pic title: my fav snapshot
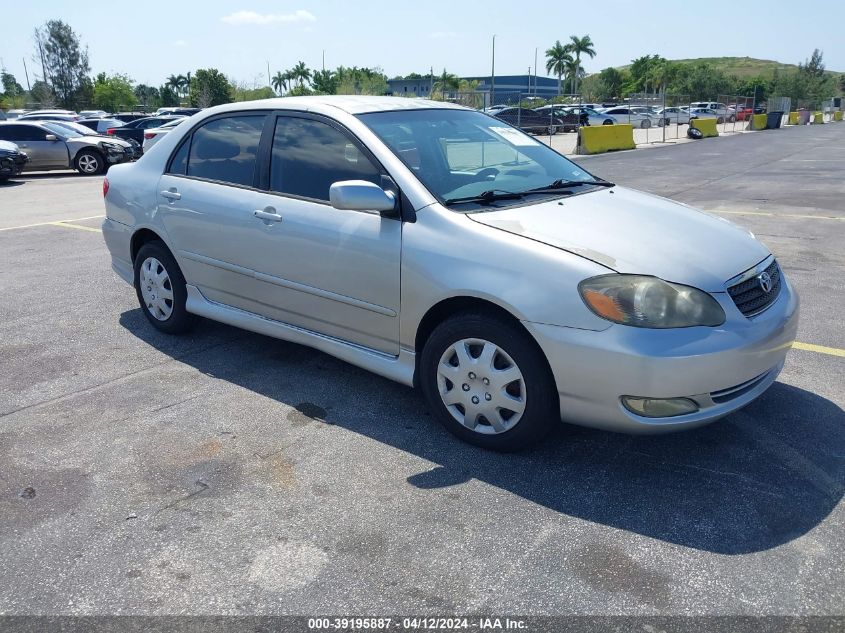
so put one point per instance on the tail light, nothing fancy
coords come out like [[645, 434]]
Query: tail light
[[149, 134], [110, 131], [105, 186]]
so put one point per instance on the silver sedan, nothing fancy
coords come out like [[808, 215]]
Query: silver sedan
[[444, 249]]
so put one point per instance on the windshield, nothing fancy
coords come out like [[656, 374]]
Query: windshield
[[68, 129], [459, 154]]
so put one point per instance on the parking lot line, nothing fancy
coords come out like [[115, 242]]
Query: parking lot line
[[29, 226], [782, 215], [820, 349], [75, 226]]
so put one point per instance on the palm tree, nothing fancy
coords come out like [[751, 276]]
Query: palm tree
[[574, 71], [447, 82], [301, 73], [578, 46], [280, 81], [174, 82], [557, 57]]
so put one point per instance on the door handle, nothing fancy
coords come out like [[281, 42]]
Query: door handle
[[268, 215], [171, 194]]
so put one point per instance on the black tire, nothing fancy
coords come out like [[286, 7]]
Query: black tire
[[720, 120], [180, 320], [607, 122], [541, 412], [732, 119], [645, 124], [89, 162]]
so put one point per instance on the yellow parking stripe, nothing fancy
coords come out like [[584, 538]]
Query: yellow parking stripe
[[75, 226], [819, 349], [780, 215], [29, 226]]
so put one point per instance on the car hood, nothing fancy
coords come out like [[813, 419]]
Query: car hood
[[637, 233], [8, 146], [91, 140]]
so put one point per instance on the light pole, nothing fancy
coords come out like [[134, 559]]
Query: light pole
[[493, 74]]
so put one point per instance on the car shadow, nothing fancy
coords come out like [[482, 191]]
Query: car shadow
[[750, 482], [11, 182]]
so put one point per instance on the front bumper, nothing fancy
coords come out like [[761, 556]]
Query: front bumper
[[12, 164], [722, 369]]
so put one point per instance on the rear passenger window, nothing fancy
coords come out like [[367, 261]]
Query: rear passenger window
[[309, 156], [226, 149], [179, 163]]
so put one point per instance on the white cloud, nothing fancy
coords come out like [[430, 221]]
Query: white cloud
[[180, 43], [251, 17]]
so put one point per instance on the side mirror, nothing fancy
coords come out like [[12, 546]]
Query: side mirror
[[51, 137], [360, 195]]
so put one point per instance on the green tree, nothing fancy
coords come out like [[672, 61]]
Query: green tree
[[557, 58], [65, 61], [209, 87], [112, 93], [580, 45], [610, 82], [325, 81], [11, 88], [360, 81], [167, 96], [301, 74], [574, 71], [445, 82], [241, 93], [280, 82], [147, 95]]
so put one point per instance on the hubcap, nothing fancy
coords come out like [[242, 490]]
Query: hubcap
[[481, 386], [156, 289], [88, 163]]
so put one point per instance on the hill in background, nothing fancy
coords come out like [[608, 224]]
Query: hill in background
[[742, 67]]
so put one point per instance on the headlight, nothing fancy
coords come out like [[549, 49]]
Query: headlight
[[649, 302], [112, 147]]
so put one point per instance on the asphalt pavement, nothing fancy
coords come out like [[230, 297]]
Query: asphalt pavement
[[224, 472]]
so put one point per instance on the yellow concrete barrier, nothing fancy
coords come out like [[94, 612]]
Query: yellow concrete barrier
[[603, 138], [793, 118], [758, 121], [818, 117], [707, 127], [837, 116]]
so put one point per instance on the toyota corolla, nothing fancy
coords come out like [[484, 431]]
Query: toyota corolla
[[444, 249]]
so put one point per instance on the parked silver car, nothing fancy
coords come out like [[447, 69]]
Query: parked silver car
[[442, 248], [53, 145]]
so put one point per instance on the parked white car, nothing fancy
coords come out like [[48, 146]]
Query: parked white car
[[722, 111], [630, 115], [153, 135], [704, 113]]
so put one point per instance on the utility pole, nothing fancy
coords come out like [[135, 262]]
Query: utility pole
[[324, 60], [493, 75], [535, 71], [269, 81], [26, 72], [431, 82]]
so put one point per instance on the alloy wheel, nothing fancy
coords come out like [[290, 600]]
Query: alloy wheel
[[89, 164]]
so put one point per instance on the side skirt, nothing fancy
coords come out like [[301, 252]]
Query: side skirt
[[399, 368]]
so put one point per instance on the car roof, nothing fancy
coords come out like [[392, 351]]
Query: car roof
[[351, 104]]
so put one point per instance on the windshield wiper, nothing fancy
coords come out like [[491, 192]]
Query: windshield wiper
[[486, 197], [561, 183]]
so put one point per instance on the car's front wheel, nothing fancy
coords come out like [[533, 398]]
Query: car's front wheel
[[161, 289], [488, 382], [646, 123], [89, 162]]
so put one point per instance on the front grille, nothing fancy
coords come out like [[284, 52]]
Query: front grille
[[749, 295]]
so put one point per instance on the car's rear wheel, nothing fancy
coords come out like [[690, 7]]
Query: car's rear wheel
[[89, 162], [552, 129], [646, 123], [720, 120], [607, 122], [488, 382], [161, 289]]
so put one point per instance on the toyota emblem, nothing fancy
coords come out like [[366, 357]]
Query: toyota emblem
[[765, 280]]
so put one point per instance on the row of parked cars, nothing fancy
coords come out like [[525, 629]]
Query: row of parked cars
[[89, 141], [551, 119]]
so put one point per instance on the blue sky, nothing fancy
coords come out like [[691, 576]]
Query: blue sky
[[152, 41]]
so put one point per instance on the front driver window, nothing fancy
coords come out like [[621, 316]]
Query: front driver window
[[309, 156]]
